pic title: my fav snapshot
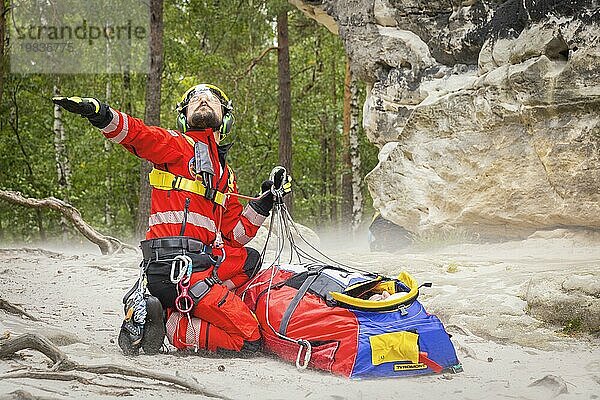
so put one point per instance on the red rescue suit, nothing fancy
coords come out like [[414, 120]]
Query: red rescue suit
[[172, 152]]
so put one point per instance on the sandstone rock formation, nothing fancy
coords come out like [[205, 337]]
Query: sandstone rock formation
[[486, 112]]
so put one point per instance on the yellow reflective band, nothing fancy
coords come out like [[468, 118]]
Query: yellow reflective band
[[189, 139], [404, 277], [394, 347], [96, 104], [230, 179], [167, 181]]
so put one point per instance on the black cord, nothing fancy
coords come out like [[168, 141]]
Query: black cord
[[289, 221]]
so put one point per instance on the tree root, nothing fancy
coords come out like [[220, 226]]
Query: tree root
[[107, 244], [12, 309], [31, 250], [23, 395], [9, 347]]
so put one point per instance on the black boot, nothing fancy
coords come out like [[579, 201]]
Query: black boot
[[154, 328]]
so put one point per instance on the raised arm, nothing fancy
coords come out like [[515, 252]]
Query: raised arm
[[152, 143]]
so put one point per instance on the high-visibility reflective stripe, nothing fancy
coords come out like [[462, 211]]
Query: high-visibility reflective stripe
[[124, 131], [255, 218], [176, 217], [113, 124], [181, 333], [192, 336], [239, 234]]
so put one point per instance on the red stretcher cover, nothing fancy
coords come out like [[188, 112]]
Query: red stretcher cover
[[322, 315]]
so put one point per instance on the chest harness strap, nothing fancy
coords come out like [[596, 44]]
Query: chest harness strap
[[167, 181]]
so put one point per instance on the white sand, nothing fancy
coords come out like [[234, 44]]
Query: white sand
[[478, 293]]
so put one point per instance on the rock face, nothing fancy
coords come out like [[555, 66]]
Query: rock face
[[572, 301], [486, 112]]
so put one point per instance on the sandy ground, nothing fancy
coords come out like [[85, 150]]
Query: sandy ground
[[478, 293]]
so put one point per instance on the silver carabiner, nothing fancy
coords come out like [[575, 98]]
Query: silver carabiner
[[303, 343], [184, 262]]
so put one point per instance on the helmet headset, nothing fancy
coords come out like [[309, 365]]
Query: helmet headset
[[226, 107]]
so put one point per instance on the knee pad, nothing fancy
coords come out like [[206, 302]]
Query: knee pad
[[199, 290]]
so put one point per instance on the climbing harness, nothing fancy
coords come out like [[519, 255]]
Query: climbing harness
[[163, 180]]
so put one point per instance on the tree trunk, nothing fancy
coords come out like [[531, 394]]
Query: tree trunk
[[347, 166], [152, 114], [332, 133], [127, 107], [108, 176], [357, 198], [63, 167], [285, 98], [3, 12], [323, 214]]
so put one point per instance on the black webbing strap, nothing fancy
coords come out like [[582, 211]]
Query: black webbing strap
[[285, 320]]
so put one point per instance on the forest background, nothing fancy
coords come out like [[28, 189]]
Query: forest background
[[230, 44]]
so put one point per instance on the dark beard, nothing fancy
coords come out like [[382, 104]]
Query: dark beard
[[203, 120]]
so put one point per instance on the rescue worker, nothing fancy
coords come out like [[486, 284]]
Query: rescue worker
[[191, 216]]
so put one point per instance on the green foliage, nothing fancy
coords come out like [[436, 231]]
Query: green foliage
[[573, 326], [204, 41]]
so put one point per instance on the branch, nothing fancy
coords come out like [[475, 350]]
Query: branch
[[23, 395], [62, 363], [257, 60], [12, 309], [60, 376], [53, 376], [107, 244], [37, 342]]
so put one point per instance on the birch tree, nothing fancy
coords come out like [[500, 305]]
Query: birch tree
[[357, 199], [352, 192], [108, 178], [333, 134], [63, 166], [346, 164]]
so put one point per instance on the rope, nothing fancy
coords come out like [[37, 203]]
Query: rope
[[290, 222], [137, 302], [284, 234], [282, 223]]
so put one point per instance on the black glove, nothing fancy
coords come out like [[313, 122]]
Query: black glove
[[97, 113], [282, 182], [279, 184]]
